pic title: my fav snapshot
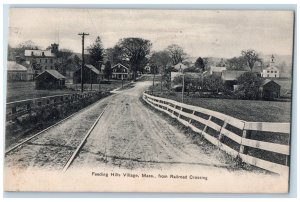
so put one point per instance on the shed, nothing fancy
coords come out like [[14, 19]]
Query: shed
[[50, 79], [269, 90], [90, 74], [16, 72]]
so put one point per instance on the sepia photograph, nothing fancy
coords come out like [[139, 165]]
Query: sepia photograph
[[148, 100]]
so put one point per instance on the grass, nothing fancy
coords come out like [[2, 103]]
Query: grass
[[26, 90], [248, 110]]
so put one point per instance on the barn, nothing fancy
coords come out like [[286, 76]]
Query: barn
[[18, 72], [50, 79], [269, 90], [90, 74]]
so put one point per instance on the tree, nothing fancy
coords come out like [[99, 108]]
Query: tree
[[249, 84], [251, 57], [176, 53], [237, 63], [213, 83], [65, 59], [96, 51], [114, 55], [199, 64], [107, 70], [135, 51], [19, 50]]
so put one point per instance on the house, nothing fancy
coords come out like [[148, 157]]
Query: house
[[50, 79], [90, 74], [180, 67], [269, 89], [230, 77], [120, 71], [147, 69], [16, 72], [216, 70], [271, 71], [42, 60]]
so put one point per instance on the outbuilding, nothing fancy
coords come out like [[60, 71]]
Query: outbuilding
[[19, 72], [90, 74], [50, 79], [269, 90]]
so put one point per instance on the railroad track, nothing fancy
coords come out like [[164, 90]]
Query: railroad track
[[76, 152]]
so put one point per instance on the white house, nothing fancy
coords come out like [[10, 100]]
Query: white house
[[271, 71], [120, 71], [180, 67]]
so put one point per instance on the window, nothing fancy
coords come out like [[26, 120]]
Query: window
[[40, 60], [51, 60], [268, 71], [46, 61], [271, 71], [275, 71], [267, 75]]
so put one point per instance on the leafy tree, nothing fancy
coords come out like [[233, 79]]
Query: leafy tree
[[96, 51], [200, 64], [107, 70], [249, 84], [135, 51], [176, 53], [251, 57], [237, 63], [213, 83]]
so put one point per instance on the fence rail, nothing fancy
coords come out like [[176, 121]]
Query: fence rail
[[224, 126]]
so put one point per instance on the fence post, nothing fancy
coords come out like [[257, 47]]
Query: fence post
[[287, 160], [205, 127], [191, 119], [246, 134], [179, 113], [221, 135]]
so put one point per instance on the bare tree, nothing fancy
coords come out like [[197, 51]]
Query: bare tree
[[176, 53]]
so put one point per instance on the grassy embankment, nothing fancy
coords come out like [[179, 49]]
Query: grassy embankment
[[26, 90]]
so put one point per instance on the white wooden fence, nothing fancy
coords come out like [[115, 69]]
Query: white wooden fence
[[187, 115]]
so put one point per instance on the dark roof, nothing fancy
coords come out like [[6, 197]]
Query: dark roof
[[13, 66], [91, 67], [266, 81], [118, 65], [54, 73]]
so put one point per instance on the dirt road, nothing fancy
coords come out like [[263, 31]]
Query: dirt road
[[129, 135]]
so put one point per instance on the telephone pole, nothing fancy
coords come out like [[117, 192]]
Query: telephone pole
[[82, 65]]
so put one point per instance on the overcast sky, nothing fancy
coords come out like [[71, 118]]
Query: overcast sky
[[200, 33]]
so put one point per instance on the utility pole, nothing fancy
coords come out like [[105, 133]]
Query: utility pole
[[82, 65], [182, 93]]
